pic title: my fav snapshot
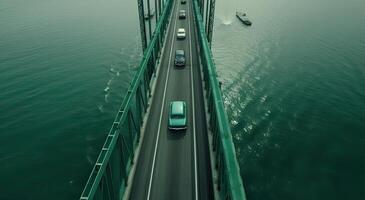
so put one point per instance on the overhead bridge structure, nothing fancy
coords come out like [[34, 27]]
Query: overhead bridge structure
[[141, 158]]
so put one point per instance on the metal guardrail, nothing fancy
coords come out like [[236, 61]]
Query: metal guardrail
[[109, 175], [230, 184]]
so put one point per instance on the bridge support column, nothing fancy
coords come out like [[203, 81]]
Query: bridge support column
[[156, 11], [159, 6], [149, 19], [142, 24], [211, 21], [202, 7], [206, 16]]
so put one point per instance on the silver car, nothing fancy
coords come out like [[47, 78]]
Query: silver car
[[181, 34]]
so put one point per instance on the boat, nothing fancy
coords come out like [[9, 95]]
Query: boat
[[244, 19]]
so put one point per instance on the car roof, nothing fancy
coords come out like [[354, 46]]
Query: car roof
[[181, 29], [179, 52], [177, 107], [182, 11]]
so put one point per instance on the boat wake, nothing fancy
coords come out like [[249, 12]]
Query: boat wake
[[121, 72], [227, 22]]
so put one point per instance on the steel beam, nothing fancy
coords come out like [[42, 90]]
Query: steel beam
[[158, 7], [202, 7], [156, 12], [142, 25], [206, 16], [149, 20], [211, 21]]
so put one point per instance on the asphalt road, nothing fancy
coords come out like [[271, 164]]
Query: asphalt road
[[176, 165]]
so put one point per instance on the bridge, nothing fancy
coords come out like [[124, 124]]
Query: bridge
[[141, 158]]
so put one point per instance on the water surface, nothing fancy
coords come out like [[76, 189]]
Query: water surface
[[65, 66], [294, 89]]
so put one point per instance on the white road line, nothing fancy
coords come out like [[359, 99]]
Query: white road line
[[163, 106], [193, 106]]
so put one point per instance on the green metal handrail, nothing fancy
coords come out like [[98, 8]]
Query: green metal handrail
[[109, 175], [230, 184]]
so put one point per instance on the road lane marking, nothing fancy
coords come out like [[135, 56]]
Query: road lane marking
[[193, 106], [163, 106]]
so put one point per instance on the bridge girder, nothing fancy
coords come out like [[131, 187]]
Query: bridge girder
[[142, 24], [211, 21], [149, 19]]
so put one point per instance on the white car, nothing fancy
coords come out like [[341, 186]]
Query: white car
[[181, 33]]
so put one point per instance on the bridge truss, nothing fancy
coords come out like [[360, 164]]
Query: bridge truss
[[109, 176]]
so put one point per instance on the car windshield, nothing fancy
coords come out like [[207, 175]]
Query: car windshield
[[179, 53], [177, 116]]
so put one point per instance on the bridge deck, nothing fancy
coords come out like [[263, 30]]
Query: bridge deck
[[175, 165]]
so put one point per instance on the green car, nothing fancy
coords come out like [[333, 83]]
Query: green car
[[177, 115]]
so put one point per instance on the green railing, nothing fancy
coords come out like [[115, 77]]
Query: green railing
[[109, 176], [229, 179]]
